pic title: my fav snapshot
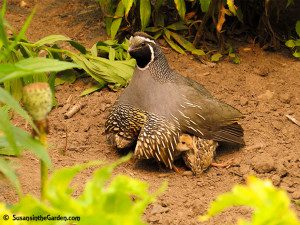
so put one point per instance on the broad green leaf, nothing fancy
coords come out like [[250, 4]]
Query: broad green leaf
[[296, 54], [183, 42], [216, 57], [173, 45], [158, 34], [128, 5], [7, 129], [31, 66], [204, 5], [231, 6], [8, 100], [198, 52], [9, 173], [117, 20], [3, 8], [153, 29], [289, 2], [297, 42], [51, 39], [290, 43], [177, 26], [262, 197], [112, 54], [298, 27], [180, 6], [68, 76], [93, 89], [78, 46], [26, 141], [145, 13], [115, 25], [3, 35]]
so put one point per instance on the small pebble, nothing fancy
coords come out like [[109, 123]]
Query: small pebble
[[268, 95], [296, 194], [187, 173], [243, 101], [285, 97]]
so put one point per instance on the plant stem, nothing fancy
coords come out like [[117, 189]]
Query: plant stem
[[42, 127]]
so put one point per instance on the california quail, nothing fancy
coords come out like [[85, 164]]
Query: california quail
[[159, 105]]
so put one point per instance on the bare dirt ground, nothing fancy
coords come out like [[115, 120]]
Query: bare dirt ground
[[265, 87]]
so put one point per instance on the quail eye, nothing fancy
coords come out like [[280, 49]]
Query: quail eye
[[143, 44]]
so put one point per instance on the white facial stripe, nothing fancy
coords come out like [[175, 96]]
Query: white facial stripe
[[146, 39], [152, 59]]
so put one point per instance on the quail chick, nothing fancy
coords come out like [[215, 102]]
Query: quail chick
[[159, 104], [197, 153]]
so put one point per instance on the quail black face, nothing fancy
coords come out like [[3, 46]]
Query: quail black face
[[141, 48]]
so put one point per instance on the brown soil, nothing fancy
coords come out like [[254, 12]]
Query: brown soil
[[265, 87]]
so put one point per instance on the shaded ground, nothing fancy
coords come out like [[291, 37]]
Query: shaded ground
[[265, 87]]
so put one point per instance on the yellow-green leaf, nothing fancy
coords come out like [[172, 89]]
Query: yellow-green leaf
[[298, 27], [128, 5], [145, 13], [180, 6], [231, 6], [173, 45], [204, 5], [290, 43], [216, 57]]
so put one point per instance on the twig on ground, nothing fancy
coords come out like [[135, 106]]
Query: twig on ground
[[73, 110], [293, 119]]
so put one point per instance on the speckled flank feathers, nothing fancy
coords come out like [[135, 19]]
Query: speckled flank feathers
[[160, 104]]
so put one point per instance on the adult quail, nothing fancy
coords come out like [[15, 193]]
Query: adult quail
[[160, 104]]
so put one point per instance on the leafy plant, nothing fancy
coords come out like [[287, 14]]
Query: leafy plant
[[270, 205], [13, 140], [104, 200], [294, 44]]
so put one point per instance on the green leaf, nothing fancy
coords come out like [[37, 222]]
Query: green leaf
[[289, 2], [298, 27], [112, 54], [153, 29], [231, 6], [117, 20], [7, 128], [216, 57], [128, 5], [3, 8], [78, 46], [290, 43], [204, 5], [9, 173], [177, 26], [180, 6], [31, 66], [183, 42], [145, 13], [68, 76], [51, 39], [186, 44], [173, 45], [296, 54], [26, 141], [198, 52], [93, 89], [115, 27], [8, 100]]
